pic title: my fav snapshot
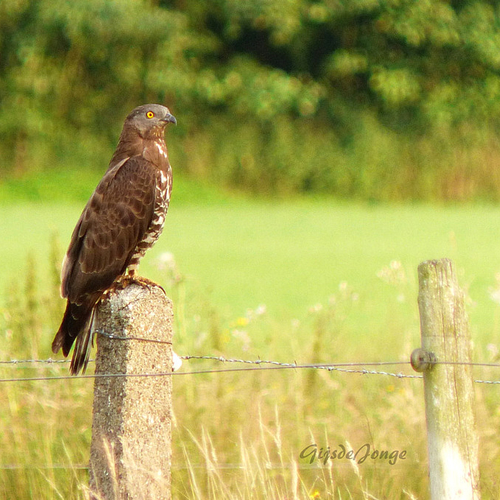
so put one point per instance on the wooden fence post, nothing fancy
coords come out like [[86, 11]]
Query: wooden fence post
[[130, 454], [449, 388]]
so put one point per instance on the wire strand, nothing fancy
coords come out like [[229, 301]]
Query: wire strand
[[219, 466], [260, 364], [112, 336], [282, 366], [223, 359]]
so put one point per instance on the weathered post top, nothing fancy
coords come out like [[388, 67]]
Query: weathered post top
[[449, 386], [130, 454]]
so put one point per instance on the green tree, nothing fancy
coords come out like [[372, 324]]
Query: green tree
[[294, 75]]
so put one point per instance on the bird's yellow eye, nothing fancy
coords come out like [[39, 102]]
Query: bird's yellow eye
[[150, 114]]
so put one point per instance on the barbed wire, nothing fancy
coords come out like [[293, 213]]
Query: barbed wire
[[202, 466], [260, 364], [49, 361], [223, 359], [369, 363], [113, 336], [275, 365]]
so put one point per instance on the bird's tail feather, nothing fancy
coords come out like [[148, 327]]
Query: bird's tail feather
[[76, 324], [83, 345]]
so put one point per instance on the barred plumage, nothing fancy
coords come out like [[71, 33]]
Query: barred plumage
[[122, 220]]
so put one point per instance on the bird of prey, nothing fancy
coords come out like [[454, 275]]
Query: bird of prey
[[123, 218]]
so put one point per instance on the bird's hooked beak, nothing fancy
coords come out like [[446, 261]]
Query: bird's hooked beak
[[169, 119]]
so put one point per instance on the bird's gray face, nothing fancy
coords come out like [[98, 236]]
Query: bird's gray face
[[150, 119]]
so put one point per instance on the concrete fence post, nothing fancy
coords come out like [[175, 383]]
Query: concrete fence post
[[130, 454], [449, 388]]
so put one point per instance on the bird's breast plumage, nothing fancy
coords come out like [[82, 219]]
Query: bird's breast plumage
[[163, 190]]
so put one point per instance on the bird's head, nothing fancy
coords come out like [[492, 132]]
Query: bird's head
[[149, 120]]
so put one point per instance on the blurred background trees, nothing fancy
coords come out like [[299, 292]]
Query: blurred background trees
[[367, 99]]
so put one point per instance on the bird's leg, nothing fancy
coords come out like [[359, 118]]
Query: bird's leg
[[120, 283], [132, 277], [127, 278]]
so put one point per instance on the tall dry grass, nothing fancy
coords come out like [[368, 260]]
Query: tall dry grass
[[236, 435]]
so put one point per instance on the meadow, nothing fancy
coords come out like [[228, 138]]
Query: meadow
[[305, 280]]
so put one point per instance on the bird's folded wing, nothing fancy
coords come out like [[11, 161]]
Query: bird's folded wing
[[114, 221]]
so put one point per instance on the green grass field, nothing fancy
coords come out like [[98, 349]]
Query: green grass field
[[289, 255], [323, 271]]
